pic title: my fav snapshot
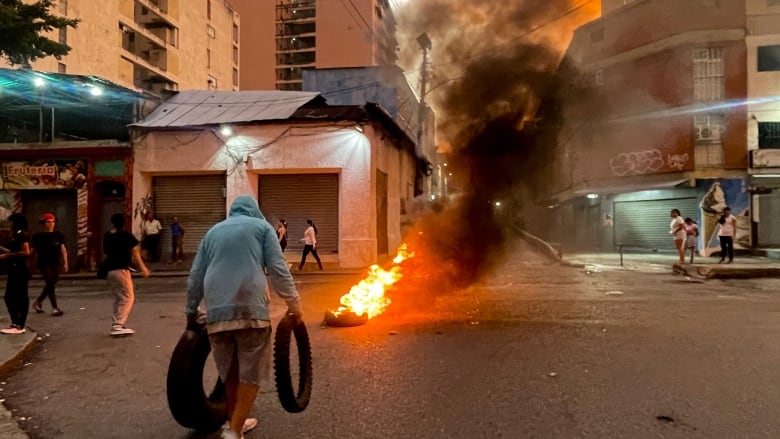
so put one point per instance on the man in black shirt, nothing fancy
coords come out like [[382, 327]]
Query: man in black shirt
[[122, 250], [51, 256]]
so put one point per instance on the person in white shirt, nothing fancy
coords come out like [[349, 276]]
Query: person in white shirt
[[728, 228], [150, 237], [677, 229], [309, 244]]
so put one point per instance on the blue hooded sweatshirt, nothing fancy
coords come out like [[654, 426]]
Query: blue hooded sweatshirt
[[228, 269]]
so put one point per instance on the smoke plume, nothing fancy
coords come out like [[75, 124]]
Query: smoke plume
[[495, 72]]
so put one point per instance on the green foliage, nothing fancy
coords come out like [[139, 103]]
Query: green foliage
[[21, 31]]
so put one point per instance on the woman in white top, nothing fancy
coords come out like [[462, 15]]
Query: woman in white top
[[728, 228], [677, 227], [310, 244]]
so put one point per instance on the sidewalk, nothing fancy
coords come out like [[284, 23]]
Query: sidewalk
[[12, 350], [745, 265]]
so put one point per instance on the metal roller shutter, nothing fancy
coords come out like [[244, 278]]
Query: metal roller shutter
[[645, 224], [298, 197], [197, 200]]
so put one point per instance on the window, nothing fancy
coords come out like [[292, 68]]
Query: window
[[64, 7], [208, 58], [598, 77], [212, 33], [772, 3], [769, 58], [62, 68], [235, 33], [235, 77], [212, 83], [64, 35], [769, 135], [708, 80], [235, 55], [208, 9]]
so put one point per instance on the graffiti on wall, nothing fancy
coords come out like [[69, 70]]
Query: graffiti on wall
[[719, 194], [645, 162], [44, 174]]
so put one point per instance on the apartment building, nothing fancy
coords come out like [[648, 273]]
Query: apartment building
[[289, 36], [679, 97], [152, 45]]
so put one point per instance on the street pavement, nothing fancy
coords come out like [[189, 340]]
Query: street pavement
[[535, 350]]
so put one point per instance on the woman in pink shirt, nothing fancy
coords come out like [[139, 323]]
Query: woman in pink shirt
[[691, 236]]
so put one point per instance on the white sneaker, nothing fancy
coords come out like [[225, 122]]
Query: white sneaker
[[118, 330], [15, 330], [249, 425], [229, 434]]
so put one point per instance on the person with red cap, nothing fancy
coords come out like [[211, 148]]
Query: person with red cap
[[51, 257]]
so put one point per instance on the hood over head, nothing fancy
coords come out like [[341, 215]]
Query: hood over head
[[247, 206]]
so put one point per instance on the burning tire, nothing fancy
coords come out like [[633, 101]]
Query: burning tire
[[345, 319], [292, 401], [187, 399]]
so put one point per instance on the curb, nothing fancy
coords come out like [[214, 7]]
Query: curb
[[731, 273], [9, 364], [548, 250]]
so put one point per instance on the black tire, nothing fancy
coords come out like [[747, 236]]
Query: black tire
[[345, 319], [291, 401], [187, 399]]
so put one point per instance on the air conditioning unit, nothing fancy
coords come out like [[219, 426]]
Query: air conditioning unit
[[708, 133]]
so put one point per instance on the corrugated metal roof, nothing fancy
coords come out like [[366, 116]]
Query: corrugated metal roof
[[206, 107]]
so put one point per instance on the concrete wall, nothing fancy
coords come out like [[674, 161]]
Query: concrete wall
[[258, 35], [299, 149], [763, 28]]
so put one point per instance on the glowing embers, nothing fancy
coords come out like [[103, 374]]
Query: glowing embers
[[367, 299]]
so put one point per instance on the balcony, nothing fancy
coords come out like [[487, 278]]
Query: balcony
[[301, 10]]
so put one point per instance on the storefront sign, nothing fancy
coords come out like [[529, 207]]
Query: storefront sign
[[44, 174]]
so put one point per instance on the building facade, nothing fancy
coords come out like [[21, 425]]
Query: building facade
[[156, 46], [346, 168], [663, 122], [289, 36], [64, 149]]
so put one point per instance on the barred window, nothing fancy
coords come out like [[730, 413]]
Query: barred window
[[769, 135], [708, 78]]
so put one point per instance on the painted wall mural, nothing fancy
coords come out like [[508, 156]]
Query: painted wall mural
[[717, 195], [43, 174]]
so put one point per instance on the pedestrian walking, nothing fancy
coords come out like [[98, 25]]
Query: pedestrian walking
[[51, 257], [281, 233], [17, 299], [309, 244], [691, 236], [228, 272], [728, 228], [150, 237], [177, 241], [121, 251], [677, 229]]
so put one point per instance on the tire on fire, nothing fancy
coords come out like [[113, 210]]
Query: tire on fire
[[292, 401], [187, 399]]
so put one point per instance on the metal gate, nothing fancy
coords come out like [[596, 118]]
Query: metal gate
[[298, 197], [645, 224], [197, 200]]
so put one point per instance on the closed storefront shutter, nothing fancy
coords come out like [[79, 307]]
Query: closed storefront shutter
[[197, 200], [645, 224], [298, 197]]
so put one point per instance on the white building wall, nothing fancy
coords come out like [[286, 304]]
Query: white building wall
[[763, 29], [291, 149]]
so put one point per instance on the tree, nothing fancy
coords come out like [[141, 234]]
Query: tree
[[21, 31]]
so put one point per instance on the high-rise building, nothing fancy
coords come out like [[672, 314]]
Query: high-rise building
[[151, 45], [289, 36]]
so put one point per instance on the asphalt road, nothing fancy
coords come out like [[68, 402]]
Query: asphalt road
[[535, 351]]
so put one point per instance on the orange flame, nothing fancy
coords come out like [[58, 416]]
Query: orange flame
[[368, 295]]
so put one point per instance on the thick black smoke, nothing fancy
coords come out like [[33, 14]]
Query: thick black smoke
[[497, 104]]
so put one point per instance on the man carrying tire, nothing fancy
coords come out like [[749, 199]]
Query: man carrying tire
[[228, 272]]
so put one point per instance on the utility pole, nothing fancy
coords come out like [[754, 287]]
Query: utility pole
[[425, 45]]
